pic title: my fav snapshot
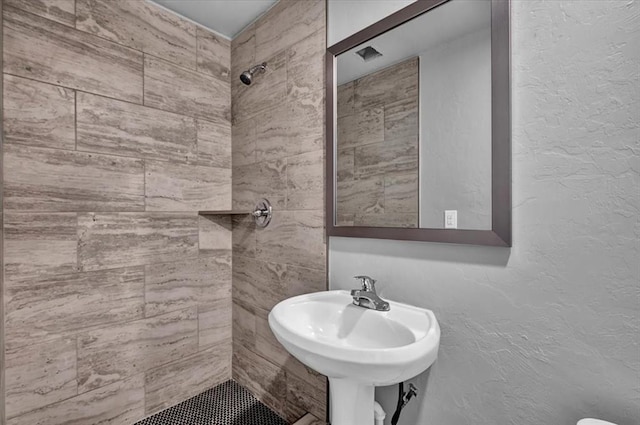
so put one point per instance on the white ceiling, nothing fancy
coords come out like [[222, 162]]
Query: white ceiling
[[447, 22], [346, 17], [226, 17]]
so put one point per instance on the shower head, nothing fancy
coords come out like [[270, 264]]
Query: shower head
[[247, 76]]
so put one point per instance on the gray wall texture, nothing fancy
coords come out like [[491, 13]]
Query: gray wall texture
[[546, 332]]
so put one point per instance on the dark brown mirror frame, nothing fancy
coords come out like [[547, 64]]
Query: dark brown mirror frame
[[500, 233]]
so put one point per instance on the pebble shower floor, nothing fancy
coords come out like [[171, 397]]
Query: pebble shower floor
[[226, 404]]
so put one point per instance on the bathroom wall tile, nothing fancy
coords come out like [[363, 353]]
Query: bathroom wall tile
[[215, 322], [244, 142], [308, 110], [41, 375], [76, 281], [113, 353], [285, 24], [244, 327], [385, 219], [119, 403], [309, 419], [305, 65], [401, 120], [38, 114], [243, 50], [244, 236], [401, 192], [39, 179], [176, 89], [284, 124], [306, 394], [305, 181], [360, 195], [345, 164], [266, 343], [181, 284], [172, 383], [120, 128], [39, 245], [186, 187], [45, 307], [47, 51], [380, 158], [267, 91], [214, 143], [346, 131], [132, 239], [379, 141], [142, 26], [361, 128], [297, 236], [346, 93], [303, 280], [214, 234], [214, 54], [256, 181], [264, 379], [345, 219], [258, 285], [62, 11], [389, 85], [278, 122], [273, 128], [314, 379]]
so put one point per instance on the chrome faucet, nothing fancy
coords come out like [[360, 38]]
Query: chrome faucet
[[367, 296]]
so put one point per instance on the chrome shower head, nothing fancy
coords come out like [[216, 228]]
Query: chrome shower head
[[247, 76]]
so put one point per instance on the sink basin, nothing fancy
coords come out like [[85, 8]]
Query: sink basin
[[355, 347]]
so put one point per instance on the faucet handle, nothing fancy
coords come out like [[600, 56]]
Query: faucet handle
[[368, 284]]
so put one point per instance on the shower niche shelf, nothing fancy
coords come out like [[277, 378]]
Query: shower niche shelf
[[262, 213], [223, 212]]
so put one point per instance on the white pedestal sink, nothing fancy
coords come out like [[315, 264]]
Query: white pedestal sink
[[356, 348]]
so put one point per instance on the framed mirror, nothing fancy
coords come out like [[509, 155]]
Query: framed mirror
[[418, 126]]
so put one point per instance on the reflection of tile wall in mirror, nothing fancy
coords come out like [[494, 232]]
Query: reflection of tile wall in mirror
[[377, 148]]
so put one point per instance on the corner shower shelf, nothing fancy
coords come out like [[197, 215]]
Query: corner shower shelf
[[224, 212], [262, 213]]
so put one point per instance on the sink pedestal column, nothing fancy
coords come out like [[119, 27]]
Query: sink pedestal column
[[351, 402]]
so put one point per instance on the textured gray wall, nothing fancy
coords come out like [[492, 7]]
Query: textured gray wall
[[546, 332]]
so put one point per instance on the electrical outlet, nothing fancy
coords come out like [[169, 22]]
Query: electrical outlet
[[451, 219]]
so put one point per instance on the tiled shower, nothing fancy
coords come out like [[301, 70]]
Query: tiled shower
[[122, 121]]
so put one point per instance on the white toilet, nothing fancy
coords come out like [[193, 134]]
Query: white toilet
[[590, 421]]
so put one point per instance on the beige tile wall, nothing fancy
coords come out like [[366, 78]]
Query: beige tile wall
[[377, 164], [278, 153], [117, 296]]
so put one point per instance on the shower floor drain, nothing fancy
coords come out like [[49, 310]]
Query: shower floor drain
[[226, 404]]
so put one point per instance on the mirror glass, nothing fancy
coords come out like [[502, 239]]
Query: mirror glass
[[413, 136]]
